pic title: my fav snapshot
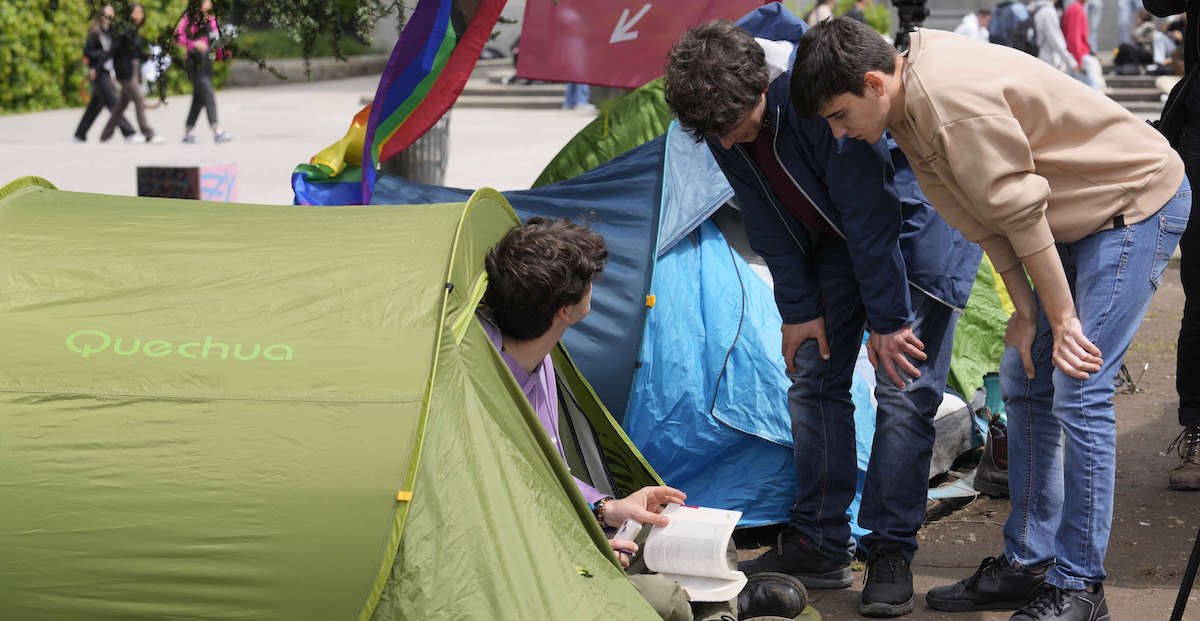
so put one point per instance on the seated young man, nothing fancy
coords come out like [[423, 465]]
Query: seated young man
[[540, 284], [1061, 186]]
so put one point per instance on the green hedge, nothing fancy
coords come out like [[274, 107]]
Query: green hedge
[[41, 51], [276, 43]]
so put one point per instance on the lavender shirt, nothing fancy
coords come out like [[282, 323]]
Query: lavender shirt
[[541, 389]]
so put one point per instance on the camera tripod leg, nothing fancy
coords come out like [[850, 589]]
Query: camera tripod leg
[[1189, 578]]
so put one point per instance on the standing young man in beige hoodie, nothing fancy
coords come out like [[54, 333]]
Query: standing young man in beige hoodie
[[1059, 184]]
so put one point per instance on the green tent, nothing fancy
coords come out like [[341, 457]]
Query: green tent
[[223, 411]]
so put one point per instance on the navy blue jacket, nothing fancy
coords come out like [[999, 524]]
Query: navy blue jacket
[[866, 192]]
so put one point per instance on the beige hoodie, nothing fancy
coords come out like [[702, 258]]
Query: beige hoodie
[[1018, 155]]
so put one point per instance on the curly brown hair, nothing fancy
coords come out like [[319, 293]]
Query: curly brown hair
[[538, 268], [715, 74]]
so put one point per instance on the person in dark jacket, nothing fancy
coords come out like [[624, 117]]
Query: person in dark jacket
[[129, 50], [850, 242], [97, 52], [1181, 125]]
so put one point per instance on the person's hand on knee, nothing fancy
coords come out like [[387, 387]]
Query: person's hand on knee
[[893, 351], [795, 334]]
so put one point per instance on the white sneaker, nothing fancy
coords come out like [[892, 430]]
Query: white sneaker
[[156, 139], [135, 139]]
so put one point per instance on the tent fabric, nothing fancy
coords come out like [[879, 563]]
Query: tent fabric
[[708, 404], [694, 187], [227, 411], [617, 200], [637, 118], [979, 337]]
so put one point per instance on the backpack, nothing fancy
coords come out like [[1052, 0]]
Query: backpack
[[1023, 36], [1012, 26]]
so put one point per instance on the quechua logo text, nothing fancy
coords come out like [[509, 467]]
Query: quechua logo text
[[90, 343]]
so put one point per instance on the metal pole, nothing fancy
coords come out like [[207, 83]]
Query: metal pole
[[1189, 578]]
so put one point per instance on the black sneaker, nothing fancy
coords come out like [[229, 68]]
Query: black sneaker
[[1055, 604], [888, 591], [996, 585], [793, 555], [771, 594]]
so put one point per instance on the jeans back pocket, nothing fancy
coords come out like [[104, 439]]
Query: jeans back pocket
[[1170, 229]]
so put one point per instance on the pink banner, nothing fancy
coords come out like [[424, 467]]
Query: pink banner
[[610, 42]]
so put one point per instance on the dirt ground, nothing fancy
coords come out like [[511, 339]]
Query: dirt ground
[[1153, 528]]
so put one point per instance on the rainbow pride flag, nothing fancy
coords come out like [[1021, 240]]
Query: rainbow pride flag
[[425, 75]]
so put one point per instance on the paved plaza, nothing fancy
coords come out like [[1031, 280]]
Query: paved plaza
[[275, 128]]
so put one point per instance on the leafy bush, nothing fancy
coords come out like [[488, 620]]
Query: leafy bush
[[280, 44], [877, 14], [40, 55]]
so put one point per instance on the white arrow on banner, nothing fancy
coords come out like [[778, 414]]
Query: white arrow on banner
[[621, 32]]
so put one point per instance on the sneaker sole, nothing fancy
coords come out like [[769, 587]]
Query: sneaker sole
[[881, 609], [959, 605], [836, 579]]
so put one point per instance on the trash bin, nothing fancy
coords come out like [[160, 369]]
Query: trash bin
[[425, 160]]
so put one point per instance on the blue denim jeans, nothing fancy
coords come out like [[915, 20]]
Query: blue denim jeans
[[1062, 432], [893, 502], [576, 95], [1125, 10], [1095, 11]]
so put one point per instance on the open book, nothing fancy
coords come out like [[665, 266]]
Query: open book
[[691, 551]]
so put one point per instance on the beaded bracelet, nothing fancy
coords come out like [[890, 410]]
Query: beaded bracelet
[[599, 510]]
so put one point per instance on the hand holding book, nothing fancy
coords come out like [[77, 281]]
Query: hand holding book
[[644, 506]]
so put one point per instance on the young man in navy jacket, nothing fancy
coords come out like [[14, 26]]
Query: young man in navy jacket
[[852, 244]]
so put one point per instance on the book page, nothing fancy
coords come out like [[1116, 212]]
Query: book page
[[693, 543], [710, 589]]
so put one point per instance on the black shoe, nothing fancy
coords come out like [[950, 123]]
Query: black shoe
[[888, 591], [996, 585], [794, 556], [1055, 604], [771, 594]]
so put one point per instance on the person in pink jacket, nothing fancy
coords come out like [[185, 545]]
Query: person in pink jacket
[[196, 39], [1059, 185]]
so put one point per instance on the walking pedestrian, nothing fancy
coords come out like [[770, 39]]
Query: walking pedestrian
[[129, 50], [97, 51], [197, 39]]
